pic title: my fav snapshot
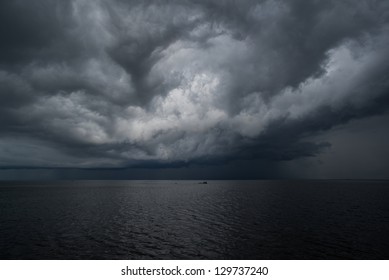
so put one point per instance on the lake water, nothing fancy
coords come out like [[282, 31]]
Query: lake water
[[188, 220]]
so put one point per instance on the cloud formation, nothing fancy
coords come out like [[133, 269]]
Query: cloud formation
[[98, 83]]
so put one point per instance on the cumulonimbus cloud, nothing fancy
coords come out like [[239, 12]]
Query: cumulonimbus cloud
[[120, 83]]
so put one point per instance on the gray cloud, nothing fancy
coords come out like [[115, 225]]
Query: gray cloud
[[114, 84]]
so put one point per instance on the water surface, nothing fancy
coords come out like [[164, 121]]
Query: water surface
[[188, 220]]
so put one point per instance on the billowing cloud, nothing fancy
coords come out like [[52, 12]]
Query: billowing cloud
[[106, 84]]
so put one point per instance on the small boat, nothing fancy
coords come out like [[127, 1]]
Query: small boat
[[203, 183]]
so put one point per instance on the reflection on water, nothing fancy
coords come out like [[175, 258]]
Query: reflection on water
[[187, 220]]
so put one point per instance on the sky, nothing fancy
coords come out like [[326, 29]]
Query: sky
[[265, 89]]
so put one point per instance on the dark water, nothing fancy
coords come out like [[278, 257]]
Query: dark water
[[186, 220]]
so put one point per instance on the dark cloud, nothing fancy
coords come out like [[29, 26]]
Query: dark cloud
[[28, 29], [185, 84]]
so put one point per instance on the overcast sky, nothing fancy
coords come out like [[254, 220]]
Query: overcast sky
[[111, 89]]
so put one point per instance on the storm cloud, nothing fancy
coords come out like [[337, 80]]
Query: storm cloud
[[152, 84]]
